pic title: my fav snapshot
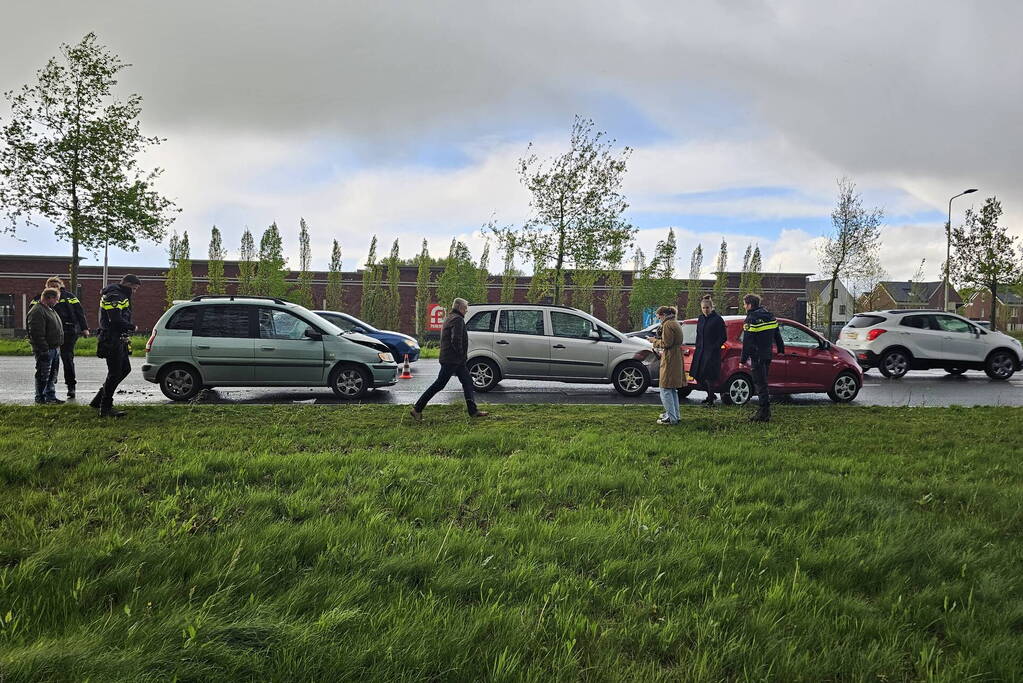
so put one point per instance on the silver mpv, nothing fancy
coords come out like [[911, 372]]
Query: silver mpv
[[556, 343]]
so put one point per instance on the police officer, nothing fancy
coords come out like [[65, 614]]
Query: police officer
[[72, 317], [115, 328], [760, 332]]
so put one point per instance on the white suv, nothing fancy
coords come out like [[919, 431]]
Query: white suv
[[898, 341]]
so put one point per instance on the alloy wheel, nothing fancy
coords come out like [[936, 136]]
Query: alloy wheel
[[1001, 365], [630, 379], [482, 375], [179, 382], [896, 364], [845, 387], [739, 391], [349, 383]]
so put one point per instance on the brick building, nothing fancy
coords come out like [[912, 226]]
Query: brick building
[[892, 294], [22, 278], [1009, 311]]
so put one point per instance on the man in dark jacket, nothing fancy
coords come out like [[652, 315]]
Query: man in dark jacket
[[46, 334], [710, 335], [454, 347], [760, 333], [69, 308], [115, 328]]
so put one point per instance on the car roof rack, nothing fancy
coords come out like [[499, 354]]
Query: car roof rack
[[232, 297], [916, 310], [498, 303]]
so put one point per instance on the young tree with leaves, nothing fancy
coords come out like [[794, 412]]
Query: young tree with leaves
[[335, 285], [656, 285], [247, 264], [422, 288], [302, 293], [393, 306], [71, 152], [183, 282], [215, 282], [483, 285], [371, 281], [917, 292], [985, 255], [693, 283], [170, 278], [577, 203], [460, 277], [853, 247], [508, 273], [721, 278], [614, 294], [270, 273], [744, 287], [541, 284], [754, 275]]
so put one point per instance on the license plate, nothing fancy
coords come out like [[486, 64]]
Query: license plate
[[850, 335]]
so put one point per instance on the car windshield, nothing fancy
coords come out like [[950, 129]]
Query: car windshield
[[348, 323], [324, 324]]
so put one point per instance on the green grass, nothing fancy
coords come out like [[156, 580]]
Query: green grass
[[546, 543], [86, 346]]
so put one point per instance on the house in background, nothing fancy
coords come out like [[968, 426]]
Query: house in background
[[818, 293], [892, 294], [1010, 309]]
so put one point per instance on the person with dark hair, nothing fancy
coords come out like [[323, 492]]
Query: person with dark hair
[[672, 375], [113, 344], [760, 332], [454, 349], [72, 317], [46, 334], [710, 335]]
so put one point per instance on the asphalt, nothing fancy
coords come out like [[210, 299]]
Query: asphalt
[[925, 388]]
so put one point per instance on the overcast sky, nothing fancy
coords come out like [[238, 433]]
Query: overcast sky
[[405, 119]]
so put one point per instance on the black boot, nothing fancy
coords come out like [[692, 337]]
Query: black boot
[[97, 400], [71, 391]]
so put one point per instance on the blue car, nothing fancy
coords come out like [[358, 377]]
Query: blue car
[[399, 344]]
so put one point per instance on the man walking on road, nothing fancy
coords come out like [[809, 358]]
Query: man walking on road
[[69, 308], [760, 332], [115, 328], [46, 334], [454, 347]]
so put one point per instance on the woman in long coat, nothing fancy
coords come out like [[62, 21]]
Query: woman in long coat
[[672, 376], [710, 335]]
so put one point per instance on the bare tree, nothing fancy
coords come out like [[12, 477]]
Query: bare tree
[[852, 248]]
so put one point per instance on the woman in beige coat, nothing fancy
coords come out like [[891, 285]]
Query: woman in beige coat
[[672, 375]]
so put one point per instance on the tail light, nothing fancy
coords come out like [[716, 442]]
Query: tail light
[[874, 334], [149, 344]]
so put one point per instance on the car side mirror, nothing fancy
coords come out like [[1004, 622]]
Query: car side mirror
[[593, 334], [313, 334], [825, 345]]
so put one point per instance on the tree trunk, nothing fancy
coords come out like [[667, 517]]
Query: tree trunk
[[74, 262], [831, 304], [994, 305]]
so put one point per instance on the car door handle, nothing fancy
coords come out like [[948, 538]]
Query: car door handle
[[501, 341], [268, 348], [558, 346], [202, 347]]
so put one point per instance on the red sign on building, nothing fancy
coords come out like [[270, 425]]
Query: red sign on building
[[435, 315]]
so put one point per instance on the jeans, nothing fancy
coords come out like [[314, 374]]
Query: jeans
[[118, 367], [760, 370], [67, 355], [447, 370], [47, 366], [669, 399]]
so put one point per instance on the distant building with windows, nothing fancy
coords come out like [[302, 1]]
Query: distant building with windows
[[894, 294], [1009, 311], [818, 294]]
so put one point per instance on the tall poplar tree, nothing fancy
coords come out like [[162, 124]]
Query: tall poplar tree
[[693, 283], [721, 277], [422, 288], [302, 293], [335, 291], [215, 283], [270, 273], [393, 306], [247, 264]]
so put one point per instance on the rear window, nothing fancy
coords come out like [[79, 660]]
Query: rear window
[[689, 334], [481, 322], [183, 318], [861, 320]]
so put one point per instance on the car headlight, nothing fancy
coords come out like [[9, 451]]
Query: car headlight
[[413, 344], [386, 357]]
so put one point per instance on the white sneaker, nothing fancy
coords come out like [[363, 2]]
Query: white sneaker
[[666, 421]]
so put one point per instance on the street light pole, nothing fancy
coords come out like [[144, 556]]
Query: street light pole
[[948, 241]]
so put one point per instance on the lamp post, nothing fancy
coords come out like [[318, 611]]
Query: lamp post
[[948, 241]]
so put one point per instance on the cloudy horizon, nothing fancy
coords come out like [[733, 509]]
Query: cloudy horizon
[[405, 120]]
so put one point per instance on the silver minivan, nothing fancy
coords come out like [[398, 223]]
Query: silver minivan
[[249, 341], [557, 343]]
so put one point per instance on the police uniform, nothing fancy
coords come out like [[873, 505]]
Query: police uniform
[[115, 328], [72, 316], [760, 333]]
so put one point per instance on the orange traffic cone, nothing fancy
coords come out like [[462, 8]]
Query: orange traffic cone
[[406, 373]]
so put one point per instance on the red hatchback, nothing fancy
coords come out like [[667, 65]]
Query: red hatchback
[[811, 364]]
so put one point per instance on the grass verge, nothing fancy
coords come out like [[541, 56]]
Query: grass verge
[[86, 346], [546, 543]]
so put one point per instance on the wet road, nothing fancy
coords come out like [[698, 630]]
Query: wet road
[[925, 388]]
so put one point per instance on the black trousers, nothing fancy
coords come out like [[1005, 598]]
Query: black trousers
[[118, 367], [67, 356], [760, 370], [704, 385], [447, 371]]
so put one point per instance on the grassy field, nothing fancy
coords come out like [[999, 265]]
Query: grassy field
[[86, 346], [545, 543]]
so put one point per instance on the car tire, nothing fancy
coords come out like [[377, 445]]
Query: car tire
[[351, 381], [955, 371], [485, 374], [895, 363], [1000, 365], [631, 379], [180, 382], [844, 389], [738, 390]]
